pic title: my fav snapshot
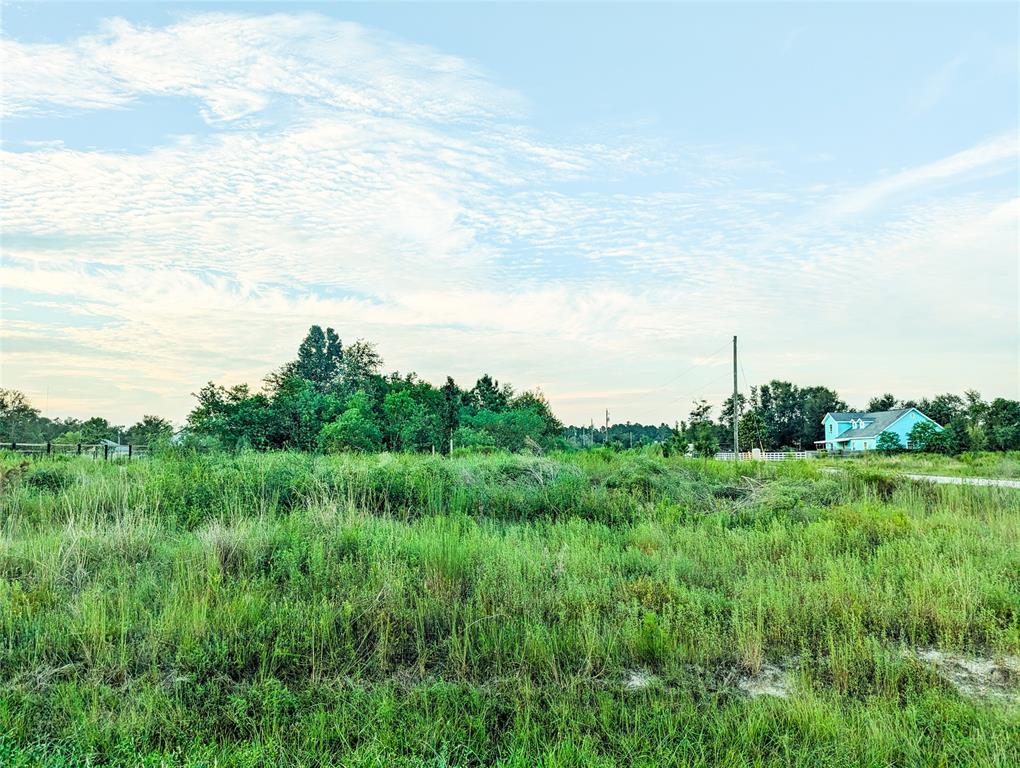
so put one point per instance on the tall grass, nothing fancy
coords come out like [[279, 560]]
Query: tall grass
[[297, 610], [1001, 464]]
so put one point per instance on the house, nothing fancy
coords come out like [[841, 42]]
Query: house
[[859, 431]]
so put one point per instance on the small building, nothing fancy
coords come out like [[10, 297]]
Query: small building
[[858, 431]]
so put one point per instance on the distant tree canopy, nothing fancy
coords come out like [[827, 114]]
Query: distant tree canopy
[[332, 397]]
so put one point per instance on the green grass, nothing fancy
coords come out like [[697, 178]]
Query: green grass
[[982, 464], [285, 609]]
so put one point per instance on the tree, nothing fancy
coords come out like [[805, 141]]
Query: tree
[[815, 402], [943, 408], [97, 429], [1002, 424], [355, 429], [703, 437], [299, 410], [886, 402], [955, 438], [924, 436], [453, 401], [361, 362], [488, 395], [410, 425], [150, 430], [889, 442], [509, 430], [537, 403], [780, 405], [235, 417], [319, 359], [726, 418], [701, 412], [701, 432], [753, 431], [72, 437], [16, 413]]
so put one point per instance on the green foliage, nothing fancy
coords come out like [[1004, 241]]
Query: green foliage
[[507, 430], [592, 608], [701, 433], [411, 425], [886, 402], [151, 430], [783, 415], [703, 437], [355, 430], [302, 408], [16, 412], [1002, 424], [73, 437], [888, 442], [488, 395], [924, 436]]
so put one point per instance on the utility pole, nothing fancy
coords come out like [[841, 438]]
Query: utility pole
[[607, 427], [736, 410], [592, 433]]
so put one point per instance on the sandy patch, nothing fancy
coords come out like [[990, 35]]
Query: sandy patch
[[977, 676]]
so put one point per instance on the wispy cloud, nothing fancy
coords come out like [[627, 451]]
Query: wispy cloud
[[995, 156], [400, 194], [939, 83]]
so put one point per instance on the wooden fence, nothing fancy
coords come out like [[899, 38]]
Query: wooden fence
[[91, 450]]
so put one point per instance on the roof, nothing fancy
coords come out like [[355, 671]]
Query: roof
[[848, 415], [880, 422]]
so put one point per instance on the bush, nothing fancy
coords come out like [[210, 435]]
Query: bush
[[53, 475], [889, 442]]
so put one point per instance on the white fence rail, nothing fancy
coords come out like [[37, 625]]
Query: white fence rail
[[757, 454]]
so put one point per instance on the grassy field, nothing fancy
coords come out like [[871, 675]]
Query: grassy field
[[583, 610], [982, 464]]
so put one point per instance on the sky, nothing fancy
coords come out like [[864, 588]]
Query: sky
[[590, 199]]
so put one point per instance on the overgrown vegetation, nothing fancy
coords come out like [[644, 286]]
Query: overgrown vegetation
[[971, 464], [592, 608]]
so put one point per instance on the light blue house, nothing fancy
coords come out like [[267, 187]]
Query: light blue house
[[858, 431]]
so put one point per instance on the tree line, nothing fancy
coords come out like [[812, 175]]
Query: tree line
[[783, 416], [333, 397], [22, 422]]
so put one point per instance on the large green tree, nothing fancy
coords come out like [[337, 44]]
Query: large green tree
[[885, 402], [149, 431], [1002, 424], [356, 429], [17, 415]]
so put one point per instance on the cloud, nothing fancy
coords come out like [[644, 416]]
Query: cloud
[[237, 65], [995, 156], [398, 193], [939, 83]]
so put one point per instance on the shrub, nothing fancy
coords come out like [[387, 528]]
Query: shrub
[[889, 442]]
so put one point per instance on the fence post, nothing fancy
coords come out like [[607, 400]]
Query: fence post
[[49, 447], [106, 452], [130, 450], [14, 446], [79, 449]]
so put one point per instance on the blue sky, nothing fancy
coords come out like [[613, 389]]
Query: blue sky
[[589, 198]]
